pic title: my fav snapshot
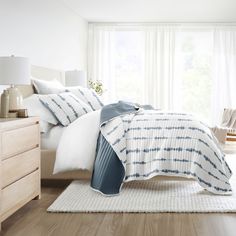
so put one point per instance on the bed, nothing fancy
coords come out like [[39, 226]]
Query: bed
[[48, 155], [119, 142]]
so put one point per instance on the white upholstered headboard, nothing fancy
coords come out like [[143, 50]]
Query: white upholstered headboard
[[42, 73]]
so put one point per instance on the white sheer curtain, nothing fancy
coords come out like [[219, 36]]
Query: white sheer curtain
[[224, 71], [159, 66], [100, 59], [158, 62], [161, 80]]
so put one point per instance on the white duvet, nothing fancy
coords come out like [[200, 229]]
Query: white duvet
[[77, 146]]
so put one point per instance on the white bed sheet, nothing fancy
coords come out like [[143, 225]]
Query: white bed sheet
[[50, 140]]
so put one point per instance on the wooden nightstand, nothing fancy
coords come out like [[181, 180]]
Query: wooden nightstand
[[19, 163]]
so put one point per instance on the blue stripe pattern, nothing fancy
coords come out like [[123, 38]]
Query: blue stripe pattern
[[169, 143], [88, 96], [78, 101], [64, 106], [98, 100], [177, 172], [175, 160], [86, 99], [168, 128]]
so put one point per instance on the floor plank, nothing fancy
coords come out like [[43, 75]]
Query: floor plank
[[33, 220]]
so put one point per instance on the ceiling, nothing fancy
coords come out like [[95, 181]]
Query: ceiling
[[155, 10]]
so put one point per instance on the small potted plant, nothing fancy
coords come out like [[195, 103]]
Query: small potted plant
[[97, 86]]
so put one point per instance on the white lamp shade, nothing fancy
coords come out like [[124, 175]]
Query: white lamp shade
[[14, 70], [75, 78]]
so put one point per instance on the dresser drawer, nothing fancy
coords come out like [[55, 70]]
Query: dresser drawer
[[19, 140], [19, 193], [18, 166]]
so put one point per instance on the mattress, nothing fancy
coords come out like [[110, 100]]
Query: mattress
[[50, 140]]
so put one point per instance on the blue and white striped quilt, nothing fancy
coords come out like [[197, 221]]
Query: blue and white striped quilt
[[151, 143]]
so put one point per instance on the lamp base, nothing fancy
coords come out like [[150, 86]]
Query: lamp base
[[15, 99]]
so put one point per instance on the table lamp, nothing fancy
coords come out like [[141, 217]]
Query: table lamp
[[14, 71], [75, 78]]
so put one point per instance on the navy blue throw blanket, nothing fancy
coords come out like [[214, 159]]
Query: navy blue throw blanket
[[108, 171]]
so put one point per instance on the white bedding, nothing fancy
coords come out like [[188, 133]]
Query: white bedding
[[185, 147], [77, 146], [50, 140], [36, 108]]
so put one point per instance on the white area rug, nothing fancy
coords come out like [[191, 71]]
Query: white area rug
[[145, 196]]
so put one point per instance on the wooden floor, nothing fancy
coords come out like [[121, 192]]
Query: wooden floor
[[33, 220]]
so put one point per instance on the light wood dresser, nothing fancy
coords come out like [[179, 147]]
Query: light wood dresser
[[19, 164]]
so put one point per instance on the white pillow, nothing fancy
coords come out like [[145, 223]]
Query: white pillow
[[45, 127], [47, 87], [87, 95], [66, 107], [77, 145], [50, 140], [36, 108]]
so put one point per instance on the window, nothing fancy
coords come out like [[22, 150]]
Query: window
[[192, 69], [168, 66], [129, 65], [193, 66]]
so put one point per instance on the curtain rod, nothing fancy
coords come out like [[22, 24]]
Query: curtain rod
[[160, 23]]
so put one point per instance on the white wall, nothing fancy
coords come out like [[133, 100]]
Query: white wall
[[46, 31], [155, 10]]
